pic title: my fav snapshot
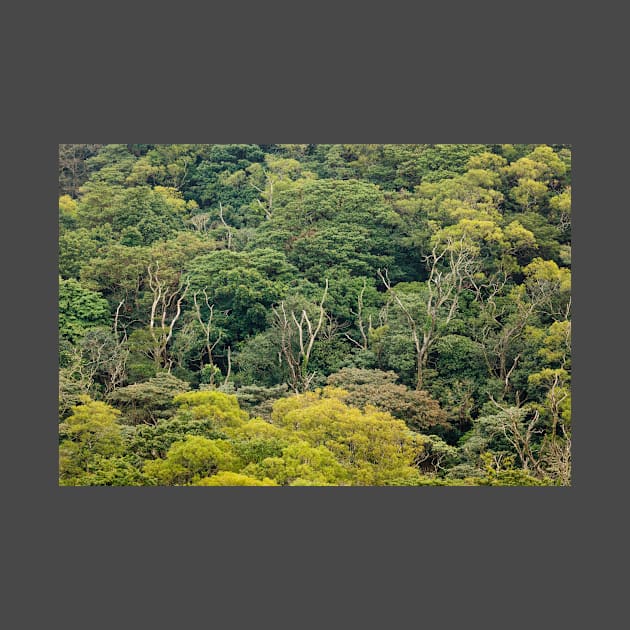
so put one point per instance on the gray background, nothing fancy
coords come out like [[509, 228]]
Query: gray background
[[309, 557]]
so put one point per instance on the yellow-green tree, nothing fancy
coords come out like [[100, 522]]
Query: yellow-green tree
[[370, 445], [192, 459], [91, 432]]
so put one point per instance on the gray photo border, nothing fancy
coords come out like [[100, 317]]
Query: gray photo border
[[301, 557]]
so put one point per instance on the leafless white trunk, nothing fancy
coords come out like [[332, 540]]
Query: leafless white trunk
[[450, 272], [206, 326], [268, 207], [200, 221], [227, 227], [229, 365], [305, 332], [520, 436], [166, 299], [363, 344]]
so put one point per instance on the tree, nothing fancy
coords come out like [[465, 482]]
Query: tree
[[379, 389], [321, 224], [502, 322], [258, 401], [371, 446], [76, 248], [503, 473], [207, 327], [444, 287], [191, 460], [222, 408], [257, 361], [166, 305], [240, 293], [79, 309], [170, 165], [275, 176], [517, 431], [561, 209], [73, 170], [91, 430], [103, 358], [549, 286], [155, 213], [442, 161], [302, 332], [149, 401]]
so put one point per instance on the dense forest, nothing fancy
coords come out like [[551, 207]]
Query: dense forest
[[314, 315]]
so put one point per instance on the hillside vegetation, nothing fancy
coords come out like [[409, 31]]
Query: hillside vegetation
[[315, 314]]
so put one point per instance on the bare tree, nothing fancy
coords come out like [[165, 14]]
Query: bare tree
[[502, 326], [363, 344], [556, 456], [229, 365], [206, 326], [297, 338], [98, 363], [116, 317], [450, 272], [500, 329], [227, 227], [268, 207], [166, 305], [105, 357], [200, 221], [555, 451], [520, 435], [434, 455]]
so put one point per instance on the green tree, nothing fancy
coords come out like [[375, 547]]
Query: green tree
[[79, 309], [324, 223], [240, 294], [73, 167], [379, 389], [149, 401], [371, 446], [191, 460], [91, 430]]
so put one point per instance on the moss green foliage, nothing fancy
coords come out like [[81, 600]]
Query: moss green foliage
[[315, 314]]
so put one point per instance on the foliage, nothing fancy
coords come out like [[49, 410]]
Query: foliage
[[79, 309], [89, 433], [234, 479], [149, 400], [379, 389], [417, 296]]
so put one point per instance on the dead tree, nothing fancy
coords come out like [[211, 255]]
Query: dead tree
[[227, 227], [500, 328], [229, 365], [117, 366], [166, 305], [450, 271], [556, 456], [363, 344], [521, 439], [98, 361], [297, 338], [520, 435], [200, 221], [268, 208], [206, 326]]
